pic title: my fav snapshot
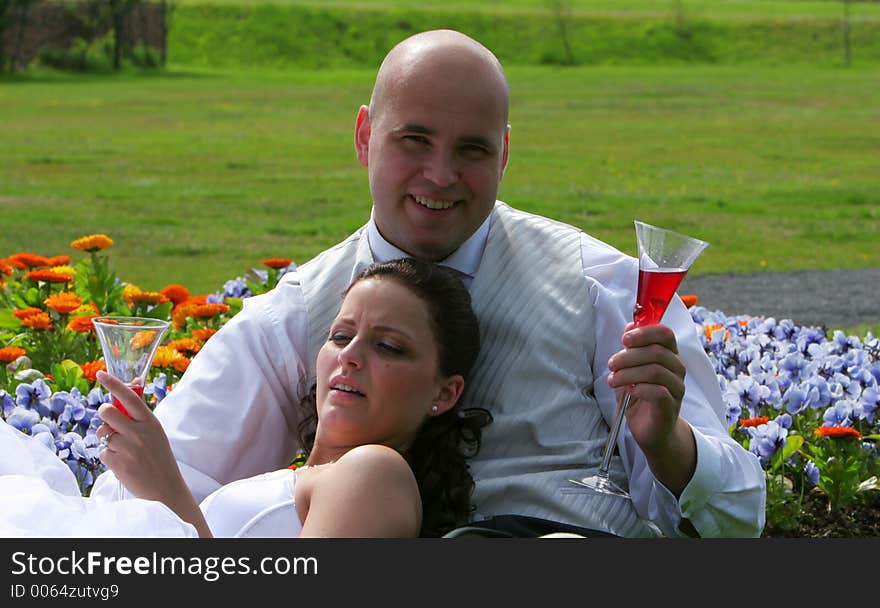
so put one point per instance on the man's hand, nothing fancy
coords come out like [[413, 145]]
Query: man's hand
[[649, 367]]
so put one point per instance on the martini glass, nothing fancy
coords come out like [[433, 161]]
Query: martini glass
[[129, 345], [664, 259]]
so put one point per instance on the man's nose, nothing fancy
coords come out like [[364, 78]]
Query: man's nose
[[441, 169]]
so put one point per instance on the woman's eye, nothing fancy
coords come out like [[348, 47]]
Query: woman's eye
[[391, 348], [339, 338]]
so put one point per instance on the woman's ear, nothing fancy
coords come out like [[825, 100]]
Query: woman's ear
[[448, 395]]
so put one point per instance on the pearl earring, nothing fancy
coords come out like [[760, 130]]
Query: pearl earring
[[434, 409]]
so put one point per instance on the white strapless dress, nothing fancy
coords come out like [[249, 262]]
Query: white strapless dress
[[257, 507], [39, 497]]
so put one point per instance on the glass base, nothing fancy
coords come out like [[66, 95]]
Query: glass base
[[601, 484]]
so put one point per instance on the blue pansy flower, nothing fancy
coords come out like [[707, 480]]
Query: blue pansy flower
[[158, 387], [766, 439], [34, 396], [23, 419], [7, 403], [811, 471]]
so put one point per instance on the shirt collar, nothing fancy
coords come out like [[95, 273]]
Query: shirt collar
[[465, 259]]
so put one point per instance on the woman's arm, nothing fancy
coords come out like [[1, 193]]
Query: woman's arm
[[370, 492]]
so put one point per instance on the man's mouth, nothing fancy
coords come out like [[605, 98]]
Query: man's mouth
[[435, 204]]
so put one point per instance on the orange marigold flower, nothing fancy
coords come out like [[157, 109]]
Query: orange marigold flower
[[690, 300], [91, 368], [206, 311], [175, 293], [756, 421], [47, 276], [168, 357], [58, 260], [185, 345], [5, 268], [149, 297], [277, 262], [92, 242], [31, 260], [40, 320], [200, 299], [23, 313], [15, 263], [81, 324], [8, 354], [63, 302], [840, 432], [203, 334]]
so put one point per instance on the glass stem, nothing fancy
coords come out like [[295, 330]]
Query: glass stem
[[612, 437]]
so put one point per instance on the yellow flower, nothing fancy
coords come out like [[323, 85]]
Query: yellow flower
[[64, 269], [92, 242]]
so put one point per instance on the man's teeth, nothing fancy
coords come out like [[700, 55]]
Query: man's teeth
[[346, 388], [432, 204]]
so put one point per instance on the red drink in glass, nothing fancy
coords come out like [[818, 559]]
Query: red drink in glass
[[137, 388], [656, 288]]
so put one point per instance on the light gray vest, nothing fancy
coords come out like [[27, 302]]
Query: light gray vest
[[533, 372]]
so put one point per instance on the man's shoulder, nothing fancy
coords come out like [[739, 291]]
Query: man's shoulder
[[534, 220], [328, 254]]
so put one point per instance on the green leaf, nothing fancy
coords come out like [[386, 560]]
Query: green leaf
[[793, 443], [160, 311], [8, 320]]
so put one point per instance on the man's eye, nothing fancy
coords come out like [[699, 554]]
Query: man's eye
[[416, 139]]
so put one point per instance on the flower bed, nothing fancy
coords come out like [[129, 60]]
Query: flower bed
[[802, 402]]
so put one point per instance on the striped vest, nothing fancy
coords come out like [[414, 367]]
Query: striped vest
[[533, 371]]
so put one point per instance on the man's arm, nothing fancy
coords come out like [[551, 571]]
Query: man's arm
[[725, 494]]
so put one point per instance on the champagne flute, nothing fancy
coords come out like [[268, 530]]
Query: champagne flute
[[129, 345], [664, 259]]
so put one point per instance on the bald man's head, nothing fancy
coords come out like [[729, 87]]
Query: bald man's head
[[444, 54]]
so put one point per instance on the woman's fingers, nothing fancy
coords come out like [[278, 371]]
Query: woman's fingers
[[133, 404]]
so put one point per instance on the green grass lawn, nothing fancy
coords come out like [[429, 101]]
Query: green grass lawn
[[199, 175], [704, 8]]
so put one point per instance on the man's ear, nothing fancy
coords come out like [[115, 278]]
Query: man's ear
[[362, 135], [505, 150], [448, 395]]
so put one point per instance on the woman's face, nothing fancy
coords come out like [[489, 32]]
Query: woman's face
[[378, 374]]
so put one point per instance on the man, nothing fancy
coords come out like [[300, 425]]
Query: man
[[553, 304]]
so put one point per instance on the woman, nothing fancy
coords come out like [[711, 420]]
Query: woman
[[387, 455]]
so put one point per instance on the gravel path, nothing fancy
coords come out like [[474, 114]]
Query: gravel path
[[832, 299]]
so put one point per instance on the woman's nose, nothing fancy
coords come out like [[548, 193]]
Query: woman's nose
[[350, 355]]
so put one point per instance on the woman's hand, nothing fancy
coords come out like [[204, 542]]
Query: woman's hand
[[138, 453]]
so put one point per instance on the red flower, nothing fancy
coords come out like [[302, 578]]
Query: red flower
[[23, 313], [840, 432], [175, 293], [91, 368], [689, 300], [756, 421], [48, 276], [31, 260], [10, 353], [277, 262]]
